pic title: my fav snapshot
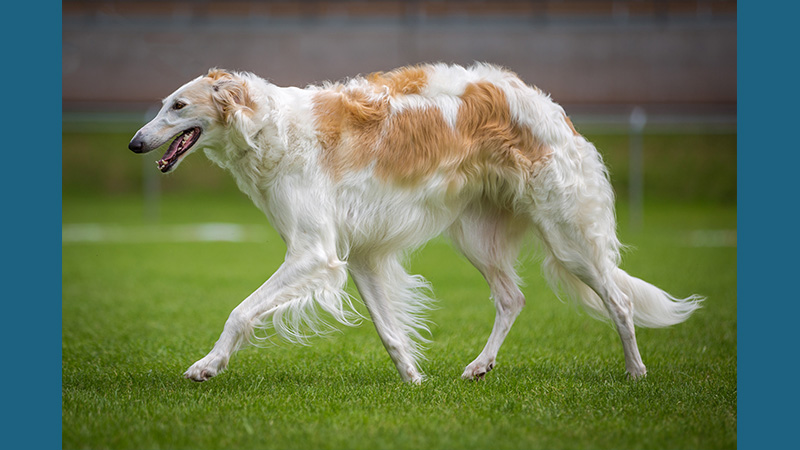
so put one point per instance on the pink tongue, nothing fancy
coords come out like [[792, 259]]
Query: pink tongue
[[173, 148]]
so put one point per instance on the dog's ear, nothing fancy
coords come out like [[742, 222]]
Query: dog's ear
[[230, 94]]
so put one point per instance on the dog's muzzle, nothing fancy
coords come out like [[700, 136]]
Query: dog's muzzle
[[137, 145]]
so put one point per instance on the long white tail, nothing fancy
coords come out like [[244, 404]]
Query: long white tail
[[652, 306]]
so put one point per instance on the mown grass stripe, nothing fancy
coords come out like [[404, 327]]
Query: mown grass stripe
[[198, 232], [232, 232]]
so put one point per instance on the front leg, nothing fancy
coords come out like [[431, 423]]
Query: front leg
[[295, 281], [395, 302]]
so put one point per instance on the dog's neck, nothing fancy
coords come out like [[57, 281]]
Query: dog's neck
[[249, 136], [266, 146]]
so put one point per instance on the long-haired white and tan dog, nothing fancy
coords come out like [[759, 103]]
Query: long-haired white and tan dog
[[353, 175]]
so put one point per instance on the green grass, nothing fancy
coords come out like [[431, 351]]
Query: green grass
[[135, 316]]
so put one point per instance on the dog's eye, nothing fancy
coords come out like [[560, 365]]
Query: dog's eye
[[178, 105]]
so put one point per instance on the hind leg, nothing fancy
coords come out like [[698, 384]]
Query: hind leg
[[508, 300], [491, 240], [578, 261], [620, 308]]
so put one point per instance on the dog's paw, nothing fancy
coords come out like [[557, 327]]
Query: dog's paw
[[416, 380], [206, 368], [410, 374], [477, 370], [637, 372]]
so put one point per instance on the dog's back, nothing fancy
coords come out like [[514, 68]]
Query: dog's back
[[460, 125]]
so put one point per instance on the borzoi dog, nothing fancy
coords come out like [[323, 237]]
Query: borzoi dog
[[354, 174]]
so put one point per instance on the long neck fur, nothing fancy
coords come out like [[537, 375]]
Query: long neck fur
[[261, 148]]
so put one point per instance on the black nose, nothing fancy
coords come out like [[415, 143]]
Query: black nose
[[136, 145]]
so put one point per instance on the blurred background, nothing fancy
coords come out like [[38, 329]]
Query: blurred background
[[652, 83], [152, 264]]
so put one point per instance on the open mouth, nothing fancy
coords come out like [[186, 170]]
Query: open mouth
[[179, 147]]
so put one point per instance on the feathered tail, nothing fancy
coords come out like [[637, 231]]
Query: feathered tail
[[652, 306]]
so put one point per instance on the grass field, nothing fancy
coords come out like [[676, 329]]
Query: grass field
[[136, 313]]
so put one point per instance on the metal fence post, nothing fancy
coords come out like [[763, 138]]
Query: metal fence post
[[637, 122]]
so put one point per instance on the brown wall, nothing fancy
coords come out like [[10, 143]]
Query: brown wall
[[121, 58]]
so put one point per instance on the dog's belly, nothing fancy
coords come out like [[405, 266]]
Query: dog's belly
[[385, 225]]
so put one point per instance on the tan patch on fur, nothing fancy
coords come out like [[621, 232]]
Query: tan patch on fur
[[571, 127], [485, 121], [416, 143], [404, 81], [215, 74], [229, 94], [200, 93], [356, 130], [348, 126]]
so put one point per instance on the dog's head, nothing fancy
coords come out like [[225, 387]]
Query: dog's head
[[193, 115]]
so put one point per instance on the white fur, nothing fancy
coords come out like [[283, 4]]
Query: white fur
[[363, 225]]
